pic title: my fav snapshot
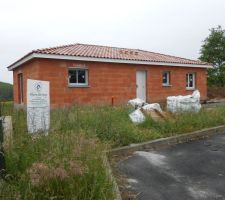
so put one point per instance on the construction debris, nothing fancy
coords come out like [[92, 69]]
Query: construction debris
[[137, 116], [136, 103], [156, 115], [143, 109], [152, 107], [174, 104], [184, 103]]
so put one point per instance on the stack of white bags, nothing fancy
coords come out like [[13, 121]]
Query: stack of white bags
[[137, 116], [184, 103], [174, 104]]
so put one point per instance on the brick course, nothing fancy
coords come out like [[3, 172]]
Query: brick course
[[106, 80]]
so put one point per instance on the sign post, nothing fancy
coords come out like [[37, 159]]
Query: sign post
[[38, 106]]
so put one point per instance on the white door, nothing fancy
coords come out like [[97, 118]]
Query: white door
[[141, 85]]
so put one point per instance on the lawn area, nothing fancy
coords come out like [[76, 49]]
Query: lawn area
[[67, 164]]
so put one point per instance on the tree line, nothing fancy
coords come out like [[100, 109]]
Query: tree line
[[213, 51]]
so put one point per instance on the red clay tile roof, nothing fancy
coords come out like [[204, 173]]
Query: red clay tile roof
[[96, 51], [83, 51]]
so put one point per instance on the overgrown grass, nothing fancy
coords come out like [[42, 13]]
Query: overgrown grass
[[110, 125], [185, 122], [67, 164], [113, 126], [6, 108]]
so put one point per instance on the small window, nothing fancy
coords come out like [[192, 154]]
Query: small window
[[78, 77], [166, 78], [190, 81]]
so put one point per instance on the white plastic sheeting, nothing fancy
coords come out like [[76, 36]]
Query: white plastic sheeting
[[137, 116], [152, 106], [136, 103], [184, 103]]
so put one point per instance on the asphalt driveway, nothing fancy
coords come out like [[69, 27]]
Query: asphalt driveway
[[187, 171]]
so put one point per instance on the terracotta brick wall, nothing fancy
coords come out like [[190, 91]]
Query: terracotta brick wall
[[106, 80], [157, 92], [29, 71]]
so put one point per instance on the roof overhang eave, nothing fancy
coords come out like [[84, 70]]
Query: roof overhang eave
[[93, 59]]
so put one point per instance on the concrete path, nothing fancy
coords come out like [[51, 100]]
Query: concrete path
[[187, 171]]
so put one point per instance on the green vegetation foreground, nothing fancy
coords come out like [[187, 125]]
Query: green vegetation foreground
[[67, 164]]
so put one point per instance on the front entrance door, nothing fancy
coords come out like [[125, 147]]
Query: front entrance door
[[20, 88], [141, 85]]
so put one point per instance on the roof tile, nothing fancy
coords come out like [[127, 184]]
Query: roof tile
[[97, 51], [106, 52]]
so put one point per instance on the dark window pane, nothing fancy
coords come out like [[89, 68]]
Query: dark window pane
[[191, 80], [187, 83], [81, 76], [164, 78], [72, 76]]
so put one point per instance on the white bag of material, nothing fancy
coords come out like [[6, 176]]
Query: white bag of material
[[196, 95], [152, 106], [184, 103], [137, 116], [136, 102]]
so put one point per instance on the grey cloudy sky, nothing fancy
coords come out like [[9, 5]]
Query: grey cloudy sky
[[175, 27]]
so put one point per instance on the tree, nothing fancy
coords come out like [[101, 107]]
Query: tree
[[213, 51]]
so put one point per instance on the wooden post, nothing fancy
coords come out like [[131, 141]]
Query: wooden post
[[112, 101], [2, 157], [6, 132]]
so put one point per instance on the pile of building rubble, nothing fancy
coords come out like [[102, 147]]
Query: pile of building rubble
[[174, 104], [184, 103], [141, 109]]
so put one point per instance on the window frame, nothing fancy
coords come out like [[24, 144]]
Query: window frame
[[188, 81], [86, 84], [168, 76]]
